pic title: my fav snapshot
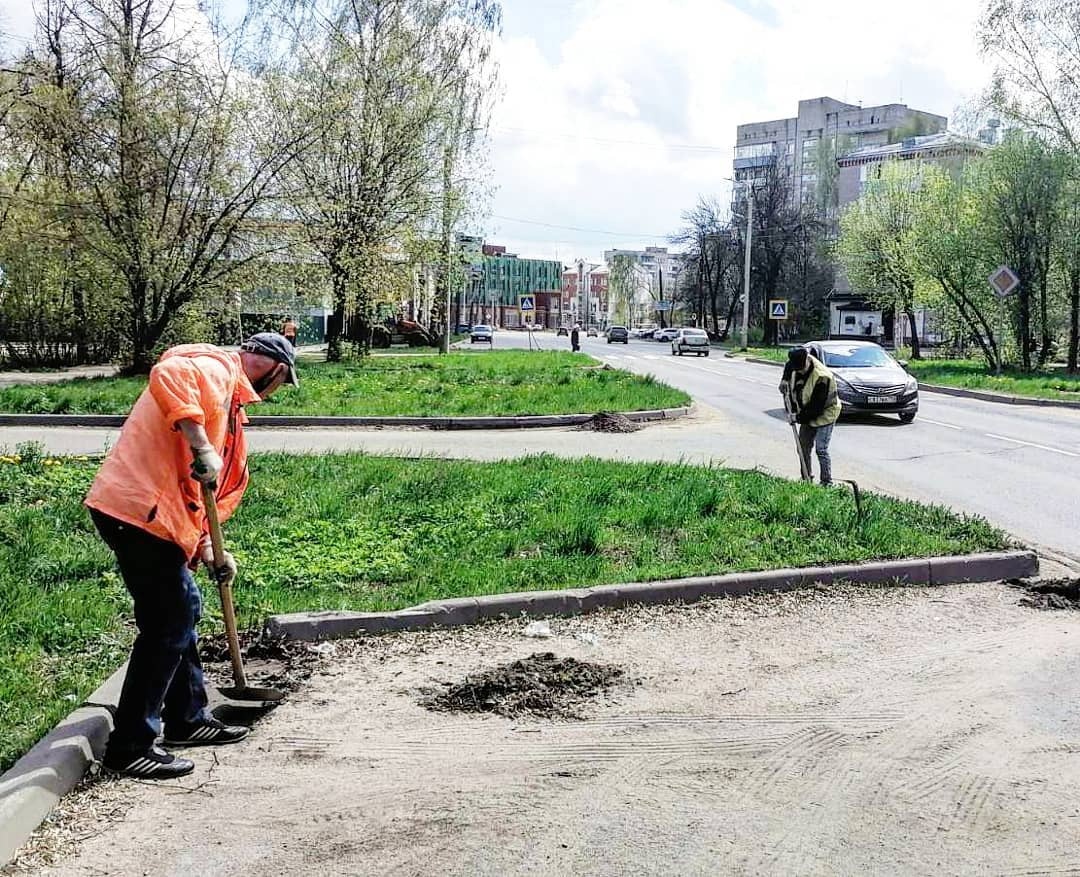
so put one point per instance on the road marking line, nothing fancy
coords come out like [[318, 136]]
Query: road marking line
[[1005, 438], [939, 423]]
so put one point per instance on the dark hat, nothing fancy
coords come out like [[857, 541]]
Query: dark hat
[[277, 348]]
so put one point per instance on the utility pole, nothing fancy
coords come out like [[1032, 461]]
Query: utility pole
[[746, 261], [661, 269]]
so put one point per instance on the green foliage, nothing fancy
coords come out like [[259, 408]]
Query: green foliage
[[379, 533], [975, 375], [493, 382]]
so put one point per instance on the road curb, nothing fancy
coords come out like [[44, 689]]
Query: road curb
[[962, 392], [1000, 398], [31, 788], [532, 421], [311, 626]]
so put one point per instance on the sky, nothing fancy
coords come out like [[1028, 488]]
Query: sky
[[615, 116]]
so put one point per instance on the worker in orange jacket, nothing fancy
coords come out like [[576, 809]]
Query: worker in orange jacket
[[186, 427]]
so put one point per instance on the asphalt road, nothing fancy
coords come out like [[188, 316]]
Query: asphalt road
[[1018, 466]]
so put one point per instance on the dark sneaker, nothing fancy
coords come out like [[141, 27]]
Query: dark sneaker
[[212, 732], [155, 764]]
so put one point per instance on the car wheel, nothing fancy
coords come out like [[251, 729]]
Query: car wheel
[[706, 353], [908, 416]]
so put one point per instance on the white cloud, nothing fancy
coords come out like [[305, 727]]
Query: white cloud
[[585, 134]]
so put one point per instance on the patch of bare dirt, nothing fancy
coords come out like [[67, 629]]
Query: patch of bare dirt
[[1052, 594], [610, 421], [541, 685], [273, 662]]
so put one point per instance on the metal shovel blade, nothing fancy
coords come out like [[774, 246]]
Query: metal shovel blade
[[252, 695]]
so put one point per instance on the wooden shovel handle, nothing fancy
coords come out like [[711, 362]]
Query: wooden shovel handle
[[217, 544]]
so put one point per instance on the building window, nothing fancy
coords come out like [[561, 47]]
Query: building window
[[758, 150]]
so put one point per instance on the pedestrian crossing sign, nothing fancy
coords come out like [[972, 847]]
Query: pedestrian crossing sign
[[778, 309], [527, 304]]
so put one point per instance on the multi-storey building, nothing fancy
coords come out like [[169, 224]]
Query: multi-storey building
[[807, 145], [853, 312], [656, 279]]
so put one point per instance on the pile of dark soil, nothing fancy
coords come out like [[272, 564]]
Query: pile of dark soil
[[1053, 594], [540, 685], [273, 662], [610, 421]]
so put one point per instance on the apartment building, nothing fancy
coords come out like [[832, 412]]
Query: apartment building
[[807, 145]]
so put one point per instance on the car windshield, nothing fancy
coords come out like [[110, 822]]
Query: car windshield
[[857, 357], [697, 332], [481, 328]]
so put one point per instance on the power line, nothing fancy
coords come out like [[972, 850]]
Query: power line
[[609, 140], [623, 234]]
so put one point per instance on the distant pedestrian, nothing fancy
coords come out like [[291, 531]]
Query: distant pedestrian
[[289, 330], [575, 338], [814, 405]]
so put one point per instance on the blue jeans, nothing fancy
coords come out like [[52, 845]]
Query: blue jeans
[[811, 437], [164, 676]]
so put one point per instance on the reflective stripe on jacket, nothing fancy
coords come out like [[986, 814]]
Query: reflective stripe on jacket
[[146, 478], [818, 372]]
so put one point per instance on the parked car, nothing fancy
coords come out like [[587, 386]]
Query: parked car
[[690, 341], [646, 333], [462, 329], [663, 335], [618, 333], [591, 332], [868, 379], [562, 330], [481, 333]]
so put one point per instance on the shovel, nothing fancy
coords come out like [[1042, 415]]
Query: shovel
[[795, 434], [241, 691]]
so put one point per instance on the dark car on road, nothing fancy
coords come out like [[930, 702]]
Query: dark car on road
[[618, 333], [480, 333], [868, 379]]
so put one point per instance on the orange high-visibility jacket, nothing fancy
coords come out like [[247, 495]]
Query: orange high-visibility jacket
[[146, 479]]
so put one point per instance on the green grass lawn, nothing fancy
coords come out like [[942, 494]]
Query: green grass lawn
[[974, 375], [459, 384], [377, 533]]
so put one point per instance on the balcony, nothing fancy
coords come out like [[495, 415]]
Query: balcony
[[754, 162]]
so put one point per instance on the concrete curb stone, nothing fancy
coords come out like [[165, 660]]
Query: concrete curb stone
[[287, 421], [31, 788], [312, 626]]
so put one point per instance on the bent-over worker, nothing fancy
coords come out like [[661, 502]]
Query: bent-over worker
[[814, 404], [146, 502]]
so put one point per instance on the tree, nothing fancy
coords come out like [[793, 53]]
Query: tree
[[1066, 253], [1035, 47], [779, 227], [171, 152], [876, 246], [396, 92], [623, 287], [710, 276], [1021, 184], [951, 253]]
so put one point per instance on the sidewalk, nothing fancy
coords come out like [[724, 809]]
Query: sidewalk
[[897, 731], [13, 378]]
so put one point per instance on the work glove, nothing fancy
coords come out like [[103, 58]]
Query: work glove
[[224, 572], [206, 465]]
